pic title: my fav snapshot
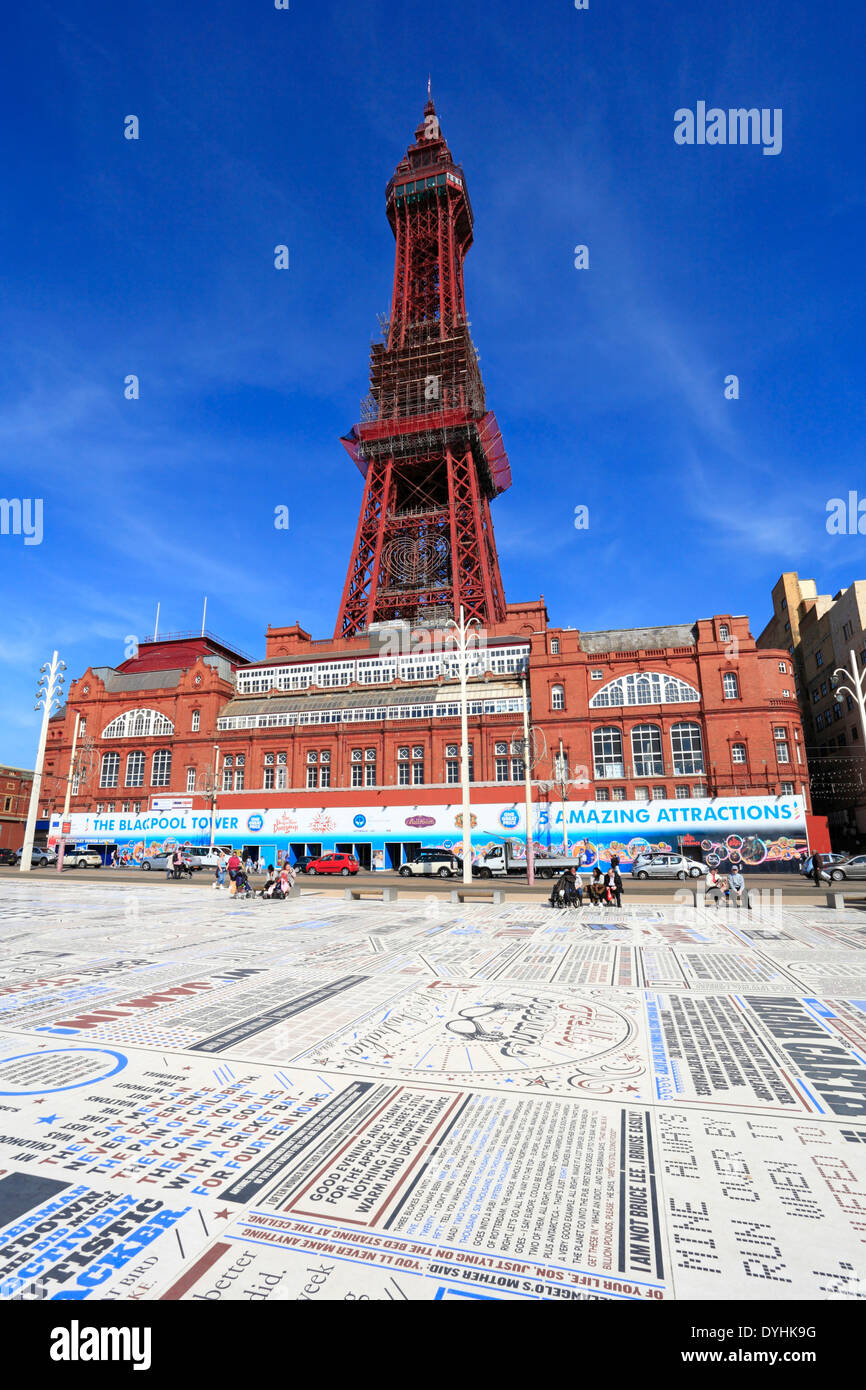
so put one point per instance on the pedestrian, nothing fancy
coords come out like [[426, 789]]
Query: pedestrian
[[169, 864], [714, 887], [222, 864], [260, 866], [613, 883], [817, 865], [178, 863], [234, 867], [578, 887], [737, 886]]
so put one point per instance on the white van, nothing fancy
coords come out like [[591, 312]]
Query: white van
[[203, 857]]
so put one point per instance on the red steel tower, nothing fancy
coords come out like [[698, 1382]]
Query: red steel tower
[[431, 453]]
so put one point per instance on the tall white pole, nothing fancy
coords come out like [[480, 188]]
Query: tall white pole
[[563, 774], [527, 784], [855, 690], [48, 686], [203, 615], [464, 757], [156, 624], [216, 764], [61, 842], [859, 679], [68, 796]]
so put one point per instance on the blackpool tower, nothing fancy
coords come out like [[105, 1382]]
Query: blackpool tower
[[430, 452]]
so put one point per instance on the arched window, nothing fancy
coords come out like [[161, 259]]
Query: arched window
[[139, 723], [557, 697], [607, 752], [645, 688], [724, 632], [731, 686], [646, 750], [687, 749]]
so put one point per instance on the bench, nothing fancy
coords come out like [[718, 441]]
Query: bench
[[386, 895], [479, 895]]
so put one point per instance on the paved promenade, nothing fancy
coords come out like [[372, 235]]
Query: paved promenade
[[203, 1098]]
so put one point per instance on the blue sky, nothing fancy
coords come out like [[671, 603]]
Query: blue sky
[[261, 127]]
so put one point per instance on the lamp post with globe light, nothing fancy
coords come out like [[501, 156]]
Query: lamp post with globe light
[[48, 693], [856, 689], [462, 628]]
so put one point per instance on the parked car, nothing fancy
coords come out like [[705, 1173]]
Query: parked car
[[9, 856], [79, 858], [153, 861], [303, 862], [334, 864], [667, 866], [432, 861], [827, 862], [40, 858], [852, 867]]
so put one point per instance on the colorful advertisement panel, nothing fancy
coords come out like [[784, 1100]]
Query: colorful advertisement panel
[[763, 832]]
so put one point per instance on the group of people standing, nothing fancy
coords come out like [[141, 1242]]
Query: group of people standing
[[278, 884]]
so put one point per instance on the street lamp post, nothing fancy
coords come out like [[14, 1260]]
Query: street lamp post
[[61, 843], [464, 745], [47, 699], [858, 682], [216, 763], [562, 769], [527, 781]]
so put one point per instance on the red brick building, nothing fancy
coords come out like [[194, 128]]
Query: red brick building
[[672, 717], [15, 785]]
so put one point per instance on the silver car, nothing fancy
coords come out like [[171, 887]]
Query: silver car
[[853, 867], [667, 866]]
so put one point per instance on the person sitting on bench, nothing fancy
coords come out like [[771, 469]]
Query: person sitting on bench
[[596, 886], [568, 889]]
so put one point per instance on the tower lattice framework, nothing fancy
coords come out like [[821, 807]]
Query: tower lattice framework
[[430, 452]]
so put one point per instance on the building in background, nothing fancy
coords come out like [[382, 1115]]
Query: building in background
[[15, 786], [680, 737], [820, 633]]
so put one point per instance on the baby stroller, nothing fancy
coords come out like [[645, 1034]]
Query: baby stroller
[[243, 887]]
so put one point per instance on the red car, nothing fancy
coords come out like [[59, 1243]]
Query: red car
[[334, 864]]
